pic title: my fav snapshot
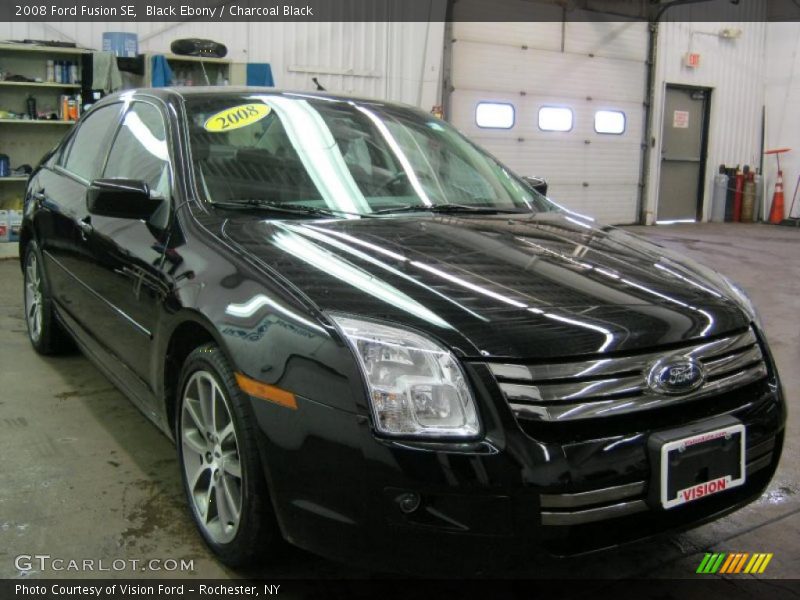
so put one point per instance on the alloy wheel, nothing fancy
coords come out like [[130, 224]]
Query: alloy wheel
[[211, 459], [33, 297]]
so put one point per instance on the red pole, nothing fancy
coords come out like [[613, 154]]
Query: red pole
[[737, 199]]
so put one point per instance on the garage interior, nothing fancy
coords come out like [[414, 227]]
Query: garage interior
[[628, 121]]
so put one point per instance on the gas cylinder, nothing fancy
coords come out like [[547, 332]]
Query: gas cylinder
[[748, 198], [737, 199], [731, 171], [758, 179], [720, 195]]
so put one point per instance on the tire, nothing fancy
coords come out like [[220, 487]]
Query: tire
[[44, 331], [223, 479]]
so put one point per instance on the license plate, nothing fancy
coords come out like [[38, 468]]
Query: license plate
[[702, 465]]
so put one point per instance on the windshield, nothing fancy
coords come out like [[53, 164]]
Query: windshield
[[354, 157]]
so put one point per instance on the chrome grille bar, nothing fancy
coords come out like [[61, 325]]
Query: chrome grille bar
[[593, 514], [613, 386], [619, 492], [613, 366]]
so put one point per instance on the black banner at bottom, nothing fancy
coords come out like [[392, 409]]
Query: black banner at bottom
[[407, 589]]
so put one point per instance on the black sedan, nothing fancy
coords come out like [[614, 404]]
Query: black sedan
[[370, 338]]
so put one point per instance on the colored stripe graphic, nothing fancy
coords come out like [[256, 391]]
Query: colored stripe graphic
[[741, 562], [734, 562], [703, 564], [711, 563], [732, 559], [758, 563]]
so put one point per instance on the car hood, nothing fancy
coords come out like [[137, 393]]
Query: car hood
[[528, 286]]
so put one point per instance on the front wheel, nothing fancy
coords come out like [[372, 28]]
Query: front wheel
[[221, 468]]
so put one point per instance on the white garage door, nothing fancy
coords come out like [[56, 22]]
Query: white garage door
[[586, 68]]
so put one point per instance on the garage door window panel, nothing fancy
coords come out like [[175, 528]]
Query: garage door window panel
[[495, 115], [610, 122], [556, 118]]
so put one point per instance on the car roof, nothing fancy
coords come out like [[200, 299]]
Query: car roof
[[168, 94]]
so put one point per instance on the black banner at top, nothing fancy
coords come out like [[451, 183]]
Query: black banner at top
[[398, 10]]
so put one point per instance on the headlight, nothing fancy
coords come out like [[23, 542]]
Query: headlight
[[744, 302], [416, 386]]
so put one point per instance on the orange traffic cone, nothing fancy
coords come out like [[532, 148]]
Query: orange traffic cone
[[776, 213]]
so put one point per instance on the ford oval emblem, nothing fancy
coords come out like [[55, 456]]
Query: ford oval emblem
[[676, 375]]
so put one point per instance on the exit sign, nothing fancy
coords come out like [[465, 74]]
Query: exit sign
[[692, 60]]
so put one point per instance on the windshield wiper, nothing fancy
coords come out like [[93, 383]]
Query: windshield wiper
[[445, 208], [284, 207]]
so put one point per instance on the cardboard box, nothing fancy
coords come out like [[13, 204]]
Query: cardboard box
[[4, 225]]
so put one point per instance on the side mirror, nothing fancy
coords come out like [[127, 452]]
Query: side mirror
[[537, 183], [121, 198]]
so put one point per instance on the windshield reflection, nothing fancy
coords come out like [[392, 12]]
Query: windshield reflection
[[344, 155]]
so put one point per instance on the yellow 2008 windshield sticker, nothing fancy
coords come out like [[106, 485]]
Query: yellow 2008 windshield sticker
[[236, 117]]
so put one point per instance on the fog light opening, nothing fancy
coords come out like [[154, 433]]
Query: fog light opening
[[408, 502]]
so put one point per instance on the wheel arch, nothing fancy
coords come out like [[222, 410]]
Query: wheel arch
[[191, 330]]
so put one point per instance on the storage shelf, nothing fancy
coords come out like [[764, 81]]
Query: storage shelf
[[37, 122], [181, 58], [41, 84], [11, 179], [5, 47]]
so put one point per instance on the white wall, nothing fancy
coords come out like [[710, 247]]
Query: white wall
[[783, 106], [734, 69], [395, 61]]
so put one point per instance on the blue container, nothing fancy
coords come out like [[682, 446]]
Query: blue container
[[5, 166], [121, 43]]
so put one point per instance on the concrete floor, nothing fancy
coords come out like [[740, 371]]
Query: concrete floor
[[85, 476]]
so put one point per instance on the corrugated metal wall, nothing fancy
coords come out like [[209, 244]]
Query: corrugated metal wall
[[395, 61], [734, 69]]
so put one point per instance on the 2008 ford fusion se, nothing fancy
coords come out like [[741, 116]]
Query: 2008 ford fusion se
[[368, 337]]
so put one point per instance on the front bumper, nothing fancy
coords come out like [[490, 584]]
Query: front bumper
[[517, 497]]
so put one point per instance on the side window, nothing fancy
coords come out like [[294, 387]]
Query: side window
[[86, 151], [140, 149]]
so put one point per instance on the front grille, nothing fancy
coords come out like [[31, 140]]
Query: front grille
[[607, 387]]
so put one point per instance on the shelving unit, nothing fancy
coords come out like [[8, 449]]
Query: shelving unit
[[42, 84], [25, 141], [193, 65], [36, 122]]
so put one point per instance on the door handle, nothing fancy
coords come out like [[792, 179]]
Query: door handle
[[85, 226]]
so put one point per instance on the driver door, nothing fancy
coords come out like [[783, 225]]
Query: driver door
[[129, 267]]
